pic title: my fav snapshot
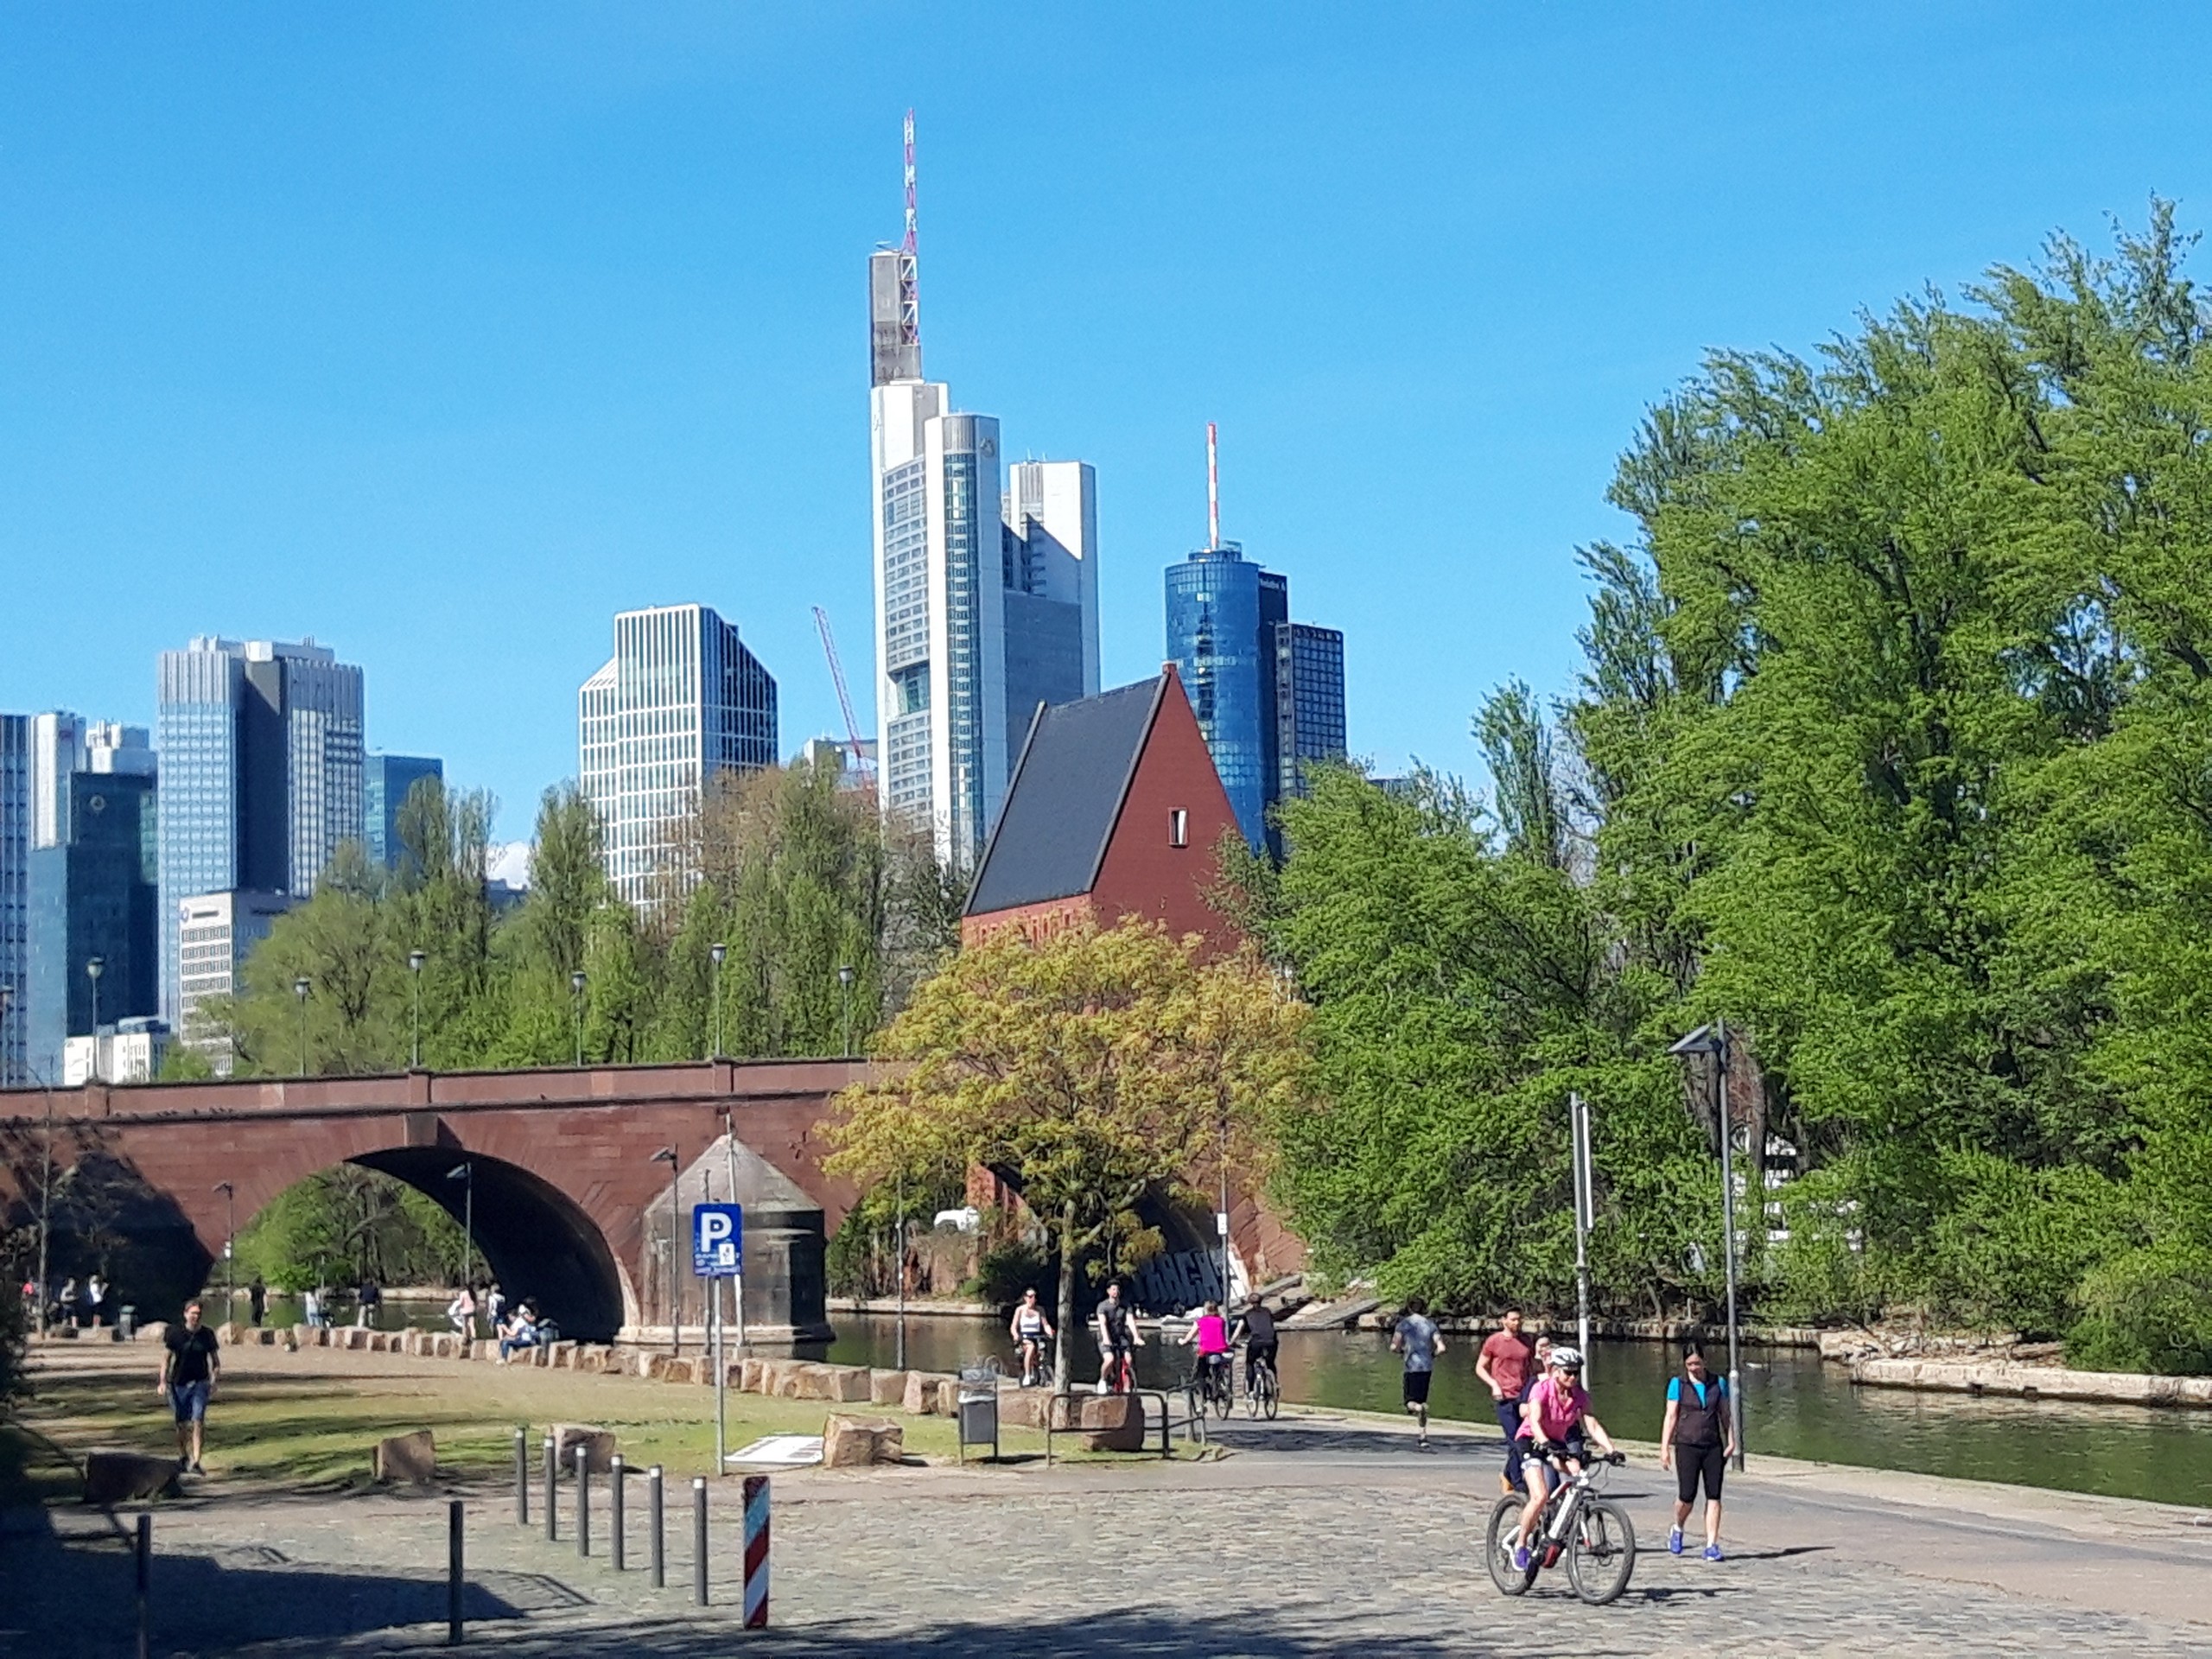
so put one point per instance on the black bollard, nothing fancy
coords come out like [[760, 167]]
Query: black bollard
[[614, 1508], [583, 1499], [522, 1477], [699, 1542], [453, 1578], [552, 1509], [145, 1564], [659, 1536]]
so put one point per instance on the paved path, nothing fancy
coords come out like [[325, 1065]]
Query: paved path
[[1325, 1533]]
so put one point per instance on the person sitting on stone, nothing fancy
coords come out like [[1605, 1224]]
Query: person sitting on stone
[[520, 1331]]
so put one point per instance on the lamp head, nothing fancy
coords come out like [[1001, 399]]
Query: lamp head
[[665, 1155], [577, 982], [1704, 1041], [300, 987], [845, 977], [94, 967], [718, 952], [460, 1169], [414, 961]]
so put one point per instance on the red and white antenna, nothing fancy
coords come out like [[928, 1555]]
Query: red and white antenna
[[1213, 489], [909, 282]]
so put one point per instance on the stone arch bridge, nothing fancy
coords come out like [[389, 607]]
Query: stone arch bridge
[[570, 1207]]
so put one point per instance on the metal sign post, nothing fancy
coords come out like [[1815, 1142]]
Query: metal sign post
[[718, 1253], [1578, 1111]]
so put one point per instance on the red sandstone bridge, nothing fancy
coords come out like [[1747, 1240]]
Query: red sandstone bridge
[[570, 1207]]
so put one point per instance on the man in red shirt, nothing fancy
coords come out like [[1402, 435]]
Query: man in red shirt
[[1503, 1364]]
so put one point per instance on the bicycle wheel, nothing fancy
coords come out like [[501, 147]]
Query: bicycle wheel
[[1224, 1396], [1601, 1552], [1270, 1392], [1498, 1553], [1254, 1379]]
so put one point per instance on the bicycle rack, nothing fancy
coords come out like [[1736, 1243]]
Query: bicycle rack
[[1193, 1423]]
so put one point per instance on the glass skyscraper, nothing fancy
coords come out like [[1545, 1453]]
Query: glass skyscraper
[[261, 764], [987, 584], [93, 895], [15, 895], [385, 779], [1268, 692], [681, 702]]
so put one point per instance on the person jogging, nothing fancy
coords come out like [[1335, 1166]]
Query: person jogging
[[1421, 1341], [190, 1360], [1505, 1366], [1031, 1330], [1696, 1441]]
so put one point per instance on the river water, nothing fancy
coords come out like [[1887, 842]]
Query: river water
[[1795, 1405]]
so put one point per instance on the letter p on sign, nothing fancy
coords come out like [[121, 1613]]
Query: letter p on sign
[[717, 1239]]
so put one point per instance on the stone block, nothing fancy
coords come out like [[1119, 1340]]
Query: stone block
[[811, 1382], [598, 1443], [591, 1358], [858, 1442], [411, 1457], [887, 1388], [265, 1336], [118, 1476], [482, 1348], [291, 1338], [411, 1343], [561, 1355], [440, 1344], [921, 1392], [1024, 1408], [230, 1333], [850, 1385], [1111, 1422], [154, 1330]]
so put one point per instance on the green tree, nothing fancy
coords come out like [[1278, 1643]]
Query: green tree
[[1087, 1070]]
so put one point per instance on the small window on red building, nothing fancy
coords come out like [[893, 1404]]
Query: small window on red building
[[1178, 828]]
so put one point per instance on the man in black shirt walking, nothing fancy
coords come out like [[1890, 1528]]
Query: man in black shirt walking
[[190, 1360]]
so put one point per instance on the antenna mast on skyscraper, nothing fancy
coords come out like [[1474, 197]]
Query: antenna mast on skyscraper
[[1213, 489], [910, 299]]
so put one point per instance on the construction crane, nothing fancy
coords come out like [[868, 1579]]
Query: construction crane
[[863, 762]]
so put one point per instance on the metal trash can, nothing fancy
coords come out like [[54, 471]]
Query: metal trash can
[[978, 1418], [126, 1324]]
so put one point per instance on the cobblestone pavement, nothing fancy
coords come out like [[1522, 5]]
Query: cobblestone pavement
[[1326, 1534]]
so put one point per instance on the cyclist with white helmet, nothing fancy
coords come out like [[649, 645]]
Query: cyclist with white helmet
[[1555, 1419]]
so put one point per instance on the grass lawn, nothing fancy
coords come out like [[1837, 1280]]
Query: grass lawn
[[312, 1419]]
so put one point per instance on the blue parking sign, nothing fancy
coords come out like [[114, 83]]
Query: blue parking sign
[[717, 1239]]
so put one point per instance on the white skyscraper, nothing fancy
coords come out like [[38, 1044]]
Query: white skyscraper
[[986, 595], [681, 701]]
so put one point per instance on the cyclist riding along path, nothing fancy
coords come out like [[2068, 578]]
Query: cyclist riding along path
[[1696, 1441], [1118, 1339], [1506, 1365], [1421, 1341], [1031, 1330], [1209, 1334], [1255, 1328], [1555, 1421]]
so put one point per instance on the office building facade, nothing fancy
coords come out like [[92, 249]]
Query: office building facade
[[385, 781], [1268, 692], [680, 703], [261, 762], [986, 582], [216, 931], [94, 898], [15, 897]]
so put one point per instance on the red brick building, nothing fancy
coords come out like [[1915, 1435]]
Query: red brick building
[[1114, 810]]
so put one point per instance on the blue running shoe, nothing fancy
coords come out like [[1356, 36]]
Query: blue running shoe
[[1674, 1541], [1712, 1551], [1520, 1558]]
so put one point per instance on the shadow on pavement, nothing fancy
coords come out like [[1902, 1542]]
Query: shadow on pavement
[[76, 1595]]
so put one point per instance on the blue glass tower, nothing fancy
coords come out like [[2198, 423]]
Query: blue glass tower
[[1221, 613], [385, 779]]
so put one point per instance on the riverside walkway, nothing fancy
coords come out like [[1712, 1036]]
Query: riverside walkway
[[1321, 1534]]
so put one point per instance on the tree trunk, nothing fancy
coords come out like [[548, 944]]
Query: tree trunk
[[1063, 1349]]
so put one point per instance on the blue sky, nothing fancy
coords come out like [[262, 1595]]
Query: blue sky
[[442, 333]]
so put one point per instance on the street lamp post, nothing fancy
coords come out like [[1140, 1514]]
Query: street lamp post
[[1221, 1223], [899, 1198], [577, 981], [467, 1172], [230, 1248], [93, 969], [1712, 1040], [300, 990], [45, 1202], [845, 990], [716, 953], [667, 1155], [414, 961]]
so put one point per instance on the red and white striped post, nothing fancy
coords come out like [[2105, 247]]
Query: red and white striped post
[[756, 1552]]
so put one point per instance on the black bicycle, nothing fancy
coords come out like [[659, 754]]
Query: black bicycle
[[1213, 1385], [1263, 1388], [1592, 1534]]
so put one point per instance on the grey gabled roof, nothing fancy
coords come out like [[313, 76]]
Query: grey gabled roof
[[1064, 797]]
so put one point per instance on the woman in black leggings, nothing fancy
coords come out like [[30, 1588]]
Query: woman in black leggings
[[1696, 1441]]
